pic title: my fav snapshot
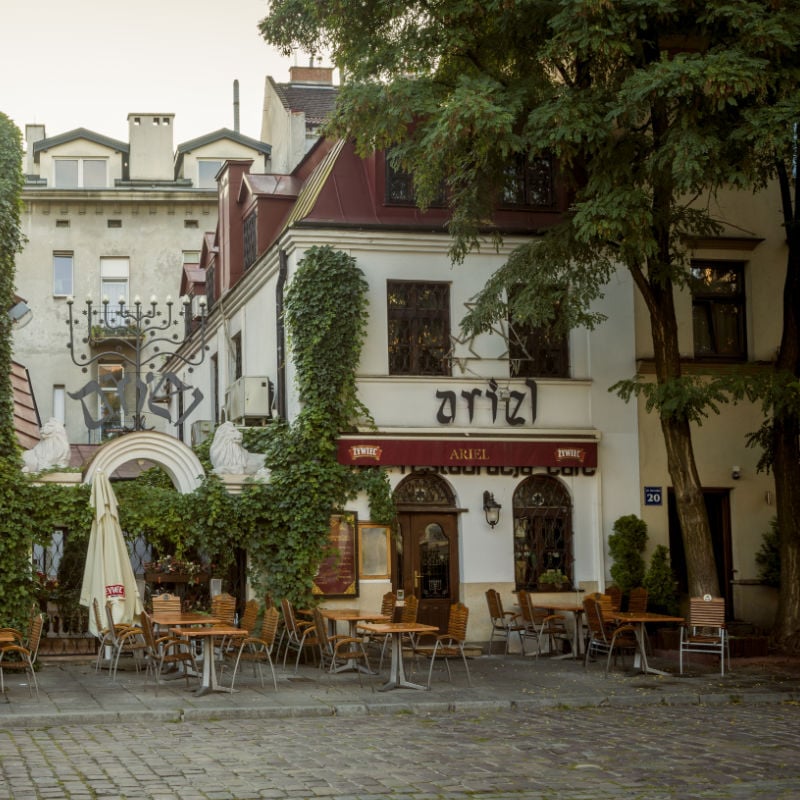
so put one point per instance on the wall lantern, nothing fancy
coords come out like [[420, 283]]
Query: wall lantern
[[491, 508]]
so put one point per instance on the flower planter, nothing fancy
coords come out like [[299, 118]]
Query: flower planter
[[176, 577], [554, 587]]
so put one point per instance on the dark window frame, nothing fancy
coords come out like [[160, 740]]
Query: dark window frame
[[418, 327], [719, 296]]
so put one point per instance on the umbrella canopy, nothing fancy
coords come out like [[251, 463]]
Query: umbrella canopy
[[108, 575]]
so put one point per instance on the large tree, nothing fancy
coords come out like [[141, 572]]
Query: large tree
[[641, 105]]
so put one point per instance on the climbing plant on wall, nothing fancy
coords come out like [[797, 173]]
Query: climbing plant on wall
[[326, 316]]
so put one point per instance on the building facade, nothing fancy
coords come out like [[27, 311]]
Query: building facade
[[513, 415], [118, 220]]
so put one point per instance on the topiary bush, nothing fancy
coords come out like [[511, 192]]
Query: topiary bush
[[626, 546]]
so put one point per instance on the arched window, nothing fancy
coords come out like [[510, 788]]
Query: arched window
[[542, 530]]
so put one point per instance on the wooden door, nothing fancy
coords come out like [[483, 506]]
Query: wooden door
[[427, 564]]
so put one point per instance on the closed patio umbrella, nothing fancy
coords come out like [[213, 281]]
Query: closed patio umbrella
[[108, 575]]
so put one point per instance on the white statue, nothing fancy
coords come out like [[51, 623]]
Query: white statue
[[51, 451], [228, 456]]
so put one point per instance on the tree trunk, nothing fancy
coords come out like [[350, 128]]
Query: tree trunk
[[785, 433], [691, 508]]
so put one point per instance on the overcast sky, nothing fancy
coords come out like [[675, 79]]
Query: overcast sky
[[89, 63]]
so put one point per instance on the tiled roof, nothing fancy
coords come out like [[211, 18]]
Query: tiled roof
[[315, 101], [26, 415]]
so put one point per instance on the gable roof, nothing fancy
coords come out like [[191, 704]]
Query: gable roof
[[79, 133], [223, 133]]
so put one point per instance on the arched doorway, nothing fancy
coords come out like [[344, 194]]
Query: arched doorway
[[426, 554], [169, 453], [542, 530]]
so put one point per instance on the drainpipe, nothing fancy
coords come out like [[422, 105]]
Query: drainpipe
[[280, 337]]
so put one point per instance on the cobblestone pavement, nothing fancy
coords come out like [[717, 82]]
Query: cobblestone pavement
[[658, 752]]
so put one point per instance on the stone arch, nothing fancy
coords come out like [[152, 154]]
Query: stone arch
[[171, 454]]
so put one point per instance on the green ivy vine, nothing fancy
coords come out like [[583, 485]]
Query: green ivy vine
[[283, 524]]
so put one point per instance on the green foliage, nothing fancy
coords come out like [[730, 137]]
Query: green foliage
[[768, 556], [326, 314], [11, 181], [661, 583], [626, 546]]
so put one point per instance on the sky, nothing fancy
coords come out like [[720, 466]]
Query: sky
[[71, 64]]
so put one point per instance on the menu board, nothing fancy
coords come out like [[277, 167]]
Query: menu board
[[337, 576]]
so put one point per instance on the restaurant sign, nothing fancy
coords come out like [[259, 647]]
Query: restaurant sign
[[367, 451]]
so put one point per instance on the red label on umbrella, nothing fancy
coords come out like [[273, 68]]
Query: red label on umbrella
[[115, 590]]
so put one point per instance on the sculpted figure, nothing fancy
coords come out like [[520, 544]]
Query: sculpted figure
[[228, 456], [51, 451]]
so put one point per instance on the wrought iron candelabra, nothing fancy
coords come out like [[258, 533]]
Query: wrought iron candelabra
[[139, 335]]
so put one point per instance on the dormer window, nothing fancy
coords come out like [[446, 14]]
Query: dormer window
[[81, 173], [207, 170]]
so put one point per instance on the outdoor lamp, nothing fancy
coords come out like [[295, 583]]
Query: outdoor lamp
[[491, 508]]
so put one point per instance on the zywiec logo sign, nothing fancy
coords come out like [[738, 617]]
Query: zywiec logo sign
[[570, 455], [115, 590], [372, 451]]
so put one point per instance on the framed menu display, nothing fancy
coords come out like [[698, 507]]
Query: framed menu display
[[373, 550], [337, 575]]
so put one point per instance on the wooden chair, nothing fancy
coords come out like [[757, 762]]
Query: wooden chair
[[705, 631], [129, 640], [615, 593], [504, 623], [388, 605], [539, 624], [408, 614], [637, 600], [603, 636], [223, 607], [249, 619], [166, 603], [257, 649], [450, 644], [20, 656], [104, 637], [165, 650], [298, 636], [335, 651]]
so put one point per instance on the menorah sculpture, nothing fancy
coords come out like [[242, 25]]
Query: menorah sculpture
[[138, 336]]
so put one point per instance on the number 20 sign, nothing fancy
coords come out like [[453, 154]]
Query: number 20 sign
[[653, 495]]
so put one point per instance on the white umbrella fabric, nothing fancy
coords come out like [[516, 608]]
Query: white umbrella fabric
[[108, 575]]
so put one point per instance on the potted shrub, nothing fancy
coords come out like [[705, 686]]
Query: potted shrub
[[553, 580]]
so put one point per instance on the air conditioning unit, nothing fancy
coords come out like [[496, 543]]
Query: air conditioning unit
[[201, 430], [199, 306], [248, 397]]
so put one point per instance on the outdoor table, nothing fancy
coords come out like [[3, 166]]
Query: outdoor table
[[397, 673], [639, 620], [352, 616], [176, 619], [208, 681], [577, 612]]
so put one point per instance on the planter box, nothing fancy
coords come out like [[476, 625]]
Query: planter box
[[554, 587], [176, 577]]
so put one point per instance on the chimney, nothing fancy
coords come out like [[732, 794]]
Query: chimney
[[150, 139], [33, 134], [317, 76], [236, 106]]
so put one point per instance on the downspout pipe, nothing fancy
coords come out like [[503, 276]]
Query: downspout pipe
[[280, 337]]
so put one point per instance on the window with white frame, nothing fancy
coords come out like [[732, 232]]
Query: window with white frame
[[81, 173], [62, 274], [59, 403], [114, 277], [207, 170]]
